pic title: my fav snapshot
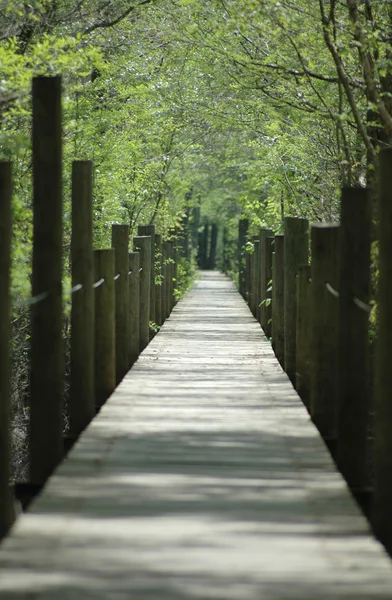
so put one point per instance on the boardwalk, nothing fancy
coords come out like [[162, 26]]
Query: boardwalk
[[201, 478]]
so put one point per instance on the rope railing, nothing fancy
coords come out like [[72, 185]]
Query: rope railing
[[359, 303], [76, 288]]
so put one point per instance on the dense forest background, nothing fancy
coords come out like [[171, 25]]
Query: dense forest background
[[245, 107]]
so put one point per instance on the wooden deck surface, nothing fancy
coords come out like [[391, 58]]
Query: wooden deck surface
[[201, 478]]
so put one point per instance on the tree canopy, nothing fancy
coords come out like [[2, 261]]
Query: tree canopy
[[253, 107]]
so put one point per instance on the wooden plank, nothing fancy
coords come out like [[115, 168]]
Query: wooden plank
[[202, 477]]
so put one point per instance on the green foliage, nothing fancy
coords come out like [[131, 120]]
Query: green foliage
[[186, 272]]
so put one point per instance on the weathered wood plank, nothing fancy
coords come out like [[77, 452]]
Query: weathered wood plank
[[202, 477]]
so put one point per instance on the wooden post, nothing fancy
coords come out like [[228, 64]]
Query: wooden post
[[382, 499], [134, 307], [243, 227], [165, 279], [278, 299], [120, 243], [105, 327], [6, 504], [143, 245], [81, 405], [251, 280], [256, 277], [263, 311], [247, 276], [353, 365], [296, 250], [266, 285], [324, 343], [170, 286], [304, 307], [159, 279], [176, 255], [47, 353], [149, 230]]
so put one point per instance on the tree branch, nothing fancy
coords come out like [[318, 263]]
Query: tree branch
[[345, 83], [106, 24]]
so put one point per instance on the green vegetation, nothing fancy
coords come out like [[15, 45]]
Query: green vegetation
[[261, 107]]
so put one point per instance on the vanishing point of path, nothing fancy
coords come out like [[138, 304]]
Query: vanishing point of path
[[201, 478]]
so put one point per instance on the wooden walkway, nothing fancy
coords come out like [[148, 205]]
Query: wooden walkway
[[201, 478]]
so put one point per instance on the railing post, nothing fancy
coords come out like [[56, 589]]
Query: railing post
[[165, 280], [353, 365], [105, 327], [263, 312], [134, 307], [251, 280], [278, 299], [247, 277], [149, 230], [143, 245], [158, 275], [47, 352], [256, 277], [243, 227], [296, 251], [382, 499], [304, 307], [120, 243], [81, 406], [175, 272], [266, 313], [323, 385], [170, 287], [6, 505]]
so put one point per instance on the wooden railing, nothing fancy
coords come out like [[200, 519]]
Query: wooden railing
[[318, 322], [114, 298]]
